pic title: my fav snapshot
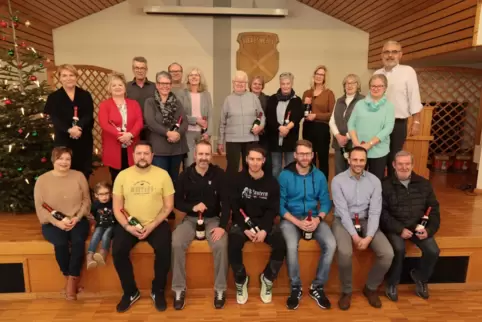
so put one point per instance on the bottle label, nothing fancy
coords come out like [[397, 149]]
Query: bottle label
[[200, 234]]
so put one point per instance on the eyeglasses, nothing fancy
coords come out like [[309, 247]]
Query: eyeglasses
[[390, 52], [304, 155], [103, 194], [163, 84], [377, 86], [175, 71], [194, 75], [140, 69], [319, 74], [351, 83]]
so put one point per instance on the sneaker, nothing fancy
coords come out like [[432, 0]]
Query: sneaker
[[294, 299], [266, 289], [317, 293], [242, 291], [127, 301], [421, 288], [179, 300], [391, 292], [219, 299], [344, 302], [372, 297], [159, 300]]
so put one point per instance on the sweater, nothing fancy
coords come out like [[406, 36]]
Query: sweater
[[322, 105], [103, 214], [210, 189], [237, 116], [259, 199], [68, 194], [206, 108]]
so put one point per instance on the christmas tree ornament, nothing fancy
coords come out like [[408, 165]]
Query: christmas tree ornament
[[20, 131], [41, 65], [23, 44], [4, 37], [27, 23], [11, 52], [36, 178], [1, 175], [33, 78], [43, 160], [34, 133], [3, 24], [26, 180], [8, 102], [15, 25], [20, 169], [15, 19]]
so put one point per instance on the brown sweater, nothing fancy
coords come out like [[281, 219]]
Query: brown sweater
[[68, 194], [322, 105]]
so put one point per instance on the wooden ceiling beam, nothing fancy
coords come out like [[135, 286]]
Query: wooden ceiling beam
[[368, 7]]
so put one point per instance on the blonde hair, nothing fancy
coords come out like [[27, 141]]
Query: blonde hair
[[357, 80], [287, 75], [67, 67], [116, 76], [240, 74], [260, 78], [203, 86], [312, 83]]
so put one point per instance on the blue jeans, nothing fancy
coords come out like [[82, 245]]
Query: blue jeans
[[101, 233], [277, 159], [325, 239], [170, 163]]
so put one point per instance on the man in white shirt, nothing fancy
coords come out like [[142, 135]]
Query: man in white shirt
[[404, 93]]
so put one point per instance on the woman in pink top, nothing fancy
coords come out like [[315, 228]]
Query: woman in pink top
[[197, 104]]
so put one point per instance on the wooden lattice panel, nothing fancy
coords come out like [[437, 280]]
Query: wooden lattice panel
[[455, 95], [93, 79]]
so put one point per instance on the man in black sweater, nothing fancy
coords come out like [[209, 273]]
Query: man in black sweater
[[201, 189], [257, 195], [406, 199]]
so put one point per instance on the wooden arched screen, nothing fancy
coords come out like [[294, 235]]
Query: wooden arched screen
[[455, 94], [93, 79]]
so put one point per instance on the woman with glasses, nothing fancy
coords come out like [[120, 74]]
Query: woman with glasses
[[256, 86], [371, 124], [197, 104], [167, 123], [319, 102], [339, 120]]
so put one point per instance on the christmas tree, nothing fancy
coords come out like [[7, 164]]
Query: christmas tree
[[26, 136]]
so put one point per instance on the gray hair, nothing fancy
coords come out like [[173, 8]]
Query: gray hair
[[357, 80], [172, 64], [287, 75], [163, 74], [392, 42], [403, 153], [382, 77], [139, 59]]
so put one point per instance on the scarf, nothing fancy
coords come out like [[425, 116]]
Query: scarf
[[375, 106], [282, 97], [168, 109]]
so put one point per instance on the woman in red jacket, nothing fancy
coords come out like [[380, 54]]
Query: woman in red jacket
[[121, 121]]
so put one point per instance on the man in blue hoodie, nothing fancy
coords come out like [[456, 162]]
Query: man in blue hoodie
[[304, 188]]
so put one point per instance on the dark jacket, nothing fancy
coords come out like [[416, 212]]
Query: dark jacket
[[210, 189], [404, 207], [342, 113], [103, 214], [295, 106], [259, 198]]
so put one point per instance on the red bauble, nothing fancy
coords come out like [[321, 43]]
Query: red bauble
[[43, 160], [20, 131], [8, 102], [3, 24], [15, 25], [33, 78], [4, 37], [23, 44]]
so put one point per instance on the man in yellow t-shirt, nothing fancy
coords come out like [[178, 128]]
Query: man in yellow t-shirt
[[145, 192]]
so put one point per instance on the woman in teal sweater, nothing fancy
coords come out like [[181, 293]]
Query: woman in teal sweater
[[371, 123]]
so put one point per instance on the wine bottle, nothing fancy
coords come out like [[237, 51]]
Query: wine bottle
[[200, 227], [56, 214], [204, 129], [251, 226], [257, 121], [287, 119], [423, 221], [307, 109], [308, 235], [358, 226], [75, 118], [115, 126], [131, 220], [345, 150], [176, 126]]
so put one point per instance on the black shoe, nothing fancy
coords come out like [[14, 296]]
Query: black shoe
[[219, 299], [319, 296], [294, 299], [391, 292], [179, 300], [159, 299], [127, 301], [421, 288]]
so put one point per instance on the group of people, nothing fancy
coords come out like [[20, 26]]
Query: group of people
[[149, 129]]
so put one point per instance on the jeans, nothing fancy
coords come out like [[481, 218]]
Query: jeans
[[430, 254], [233, 150], [325, 239], [341, 164], [170, 163], [182, 237], [380, 246], [69, 258], [101, 233], [318, 133], [277, 159], [237, 238], [160, 241], [376, 166]]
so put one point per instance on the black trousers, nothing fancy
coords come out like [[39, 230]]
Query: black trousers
[[233, 150], [430, 254], [69, 246], [319, 135], [397, 140], [160, 241], [377, 166], [236, 240], [124, 165]]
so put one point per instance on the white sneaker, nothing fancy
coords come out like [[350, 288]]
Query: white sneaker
[[242, 292], [266, 289]]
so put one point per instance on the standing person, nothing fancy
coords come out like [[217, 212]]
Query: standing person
[[198, 105], [406, 198], [304, 189], [176, 72], [403, 91], [256, 86], [257, 194], [371, 123], [339, 120], [146, 193], [315, 127], [357, 195], [71, 132], [121, 122], [283, 115], [201, 189], [236, 126]]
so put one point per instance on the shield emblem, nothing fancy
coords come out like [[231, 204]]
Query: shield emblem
[[257, 54]]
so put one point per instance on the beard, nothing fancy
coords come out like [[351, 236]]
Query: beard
[[142, 164]]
